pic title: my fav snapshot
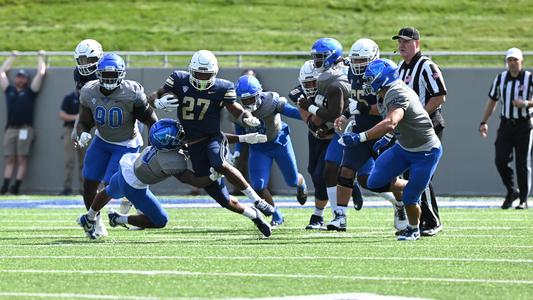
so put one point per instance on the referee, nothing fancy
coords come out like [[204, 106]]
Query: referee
[[425, 78], [513, 88]]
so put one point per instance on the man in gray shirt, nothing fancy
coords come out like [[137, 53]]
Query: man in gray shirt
[[417, 147]]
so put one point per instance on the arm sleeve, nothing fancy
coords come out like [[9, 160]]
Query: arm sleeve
[[239, 130], [291, 111], [230, 96], [494, 92], [169, 82]]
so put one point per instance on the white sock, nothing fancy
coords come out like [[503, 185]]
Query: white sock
[[332, 195], [319, 212], [249, 212], [389, 196], [91, 214], [122, 219], [251, 194], [412, 226], [342, 209]]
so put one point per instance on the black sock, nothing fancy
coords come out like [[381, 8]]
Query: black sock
[[17, 183], [6, 183]]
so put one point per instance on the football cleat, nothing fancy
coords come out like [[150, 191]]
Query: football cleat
[[125, 206], [263, 226], [400, 217], [301, 194], [431, 231], [409, 234], [277, 219], [264, 207], [509, 199], [357, 198], [316, 222], [113, 216], [339, 222], [522, 205], [88, 226]]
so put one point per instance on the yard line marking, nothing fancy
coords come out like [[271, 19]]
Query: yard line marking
[[272, 275], [491, 260], [81, 296]]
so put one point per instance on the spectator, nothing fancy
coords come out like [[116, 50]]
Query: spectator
[[513, 88], [68, 113], [20, 99]]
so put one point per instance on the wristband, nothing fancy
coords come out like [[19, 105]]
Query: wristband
[[313, 109], [363, 137], [482, 123]]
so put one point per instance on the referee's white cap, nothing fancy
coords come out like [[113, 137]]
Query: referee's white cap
[[514, 52]]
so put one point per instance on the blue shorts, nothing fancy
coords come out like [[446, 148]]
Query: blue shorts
[[396, 160], [334, 151], [102, 160], [142, 199], [260, 163]]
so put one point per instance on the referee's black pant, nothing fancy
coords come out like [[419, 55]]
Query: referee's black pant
[[514, 134]]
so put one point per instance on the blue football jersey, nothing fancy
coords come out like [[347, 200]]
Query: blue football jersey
[[199, 111], [356, 82]]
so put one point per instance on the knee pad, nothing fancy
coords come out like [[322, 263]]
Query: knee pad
[[345, 182], [377, 189]]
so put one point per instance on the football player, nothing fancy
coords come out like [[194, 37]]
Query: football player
[[359, 160], [87, 55], [199, 96], [267, 107], [417, 147], [112, 105], [163, 159], [333, 92]]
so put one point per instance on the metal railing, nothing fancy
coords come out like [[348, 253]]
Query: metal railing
[[65, 58]]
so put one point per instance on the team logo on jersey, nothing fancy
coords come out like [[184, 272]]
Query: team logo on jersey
[[436, 75], [185, 88], [93, 100]]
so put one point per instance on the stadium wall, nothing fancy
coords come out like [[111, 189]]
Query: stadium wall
[[467, 166]]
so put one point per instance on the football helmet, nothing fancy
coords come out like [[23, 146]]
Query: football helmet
[[363, 51], [308, 78], [248, 89], [111, 70], [87, 55], [378, 74], [166, 134], [203, 69], [325, 53]]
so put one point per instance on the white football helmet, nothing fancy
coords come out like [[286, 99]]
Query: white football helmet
[[87, 54], [203, 69], [308, 78], [363, 51]]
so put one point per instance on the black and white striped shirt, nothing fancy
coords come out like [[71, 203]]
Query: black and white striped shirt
[[425, 78], [507, 88]]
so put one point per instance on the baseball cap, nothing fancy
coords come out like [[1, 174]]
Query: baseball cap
[[514, 52], [21, 72], [407, 33]]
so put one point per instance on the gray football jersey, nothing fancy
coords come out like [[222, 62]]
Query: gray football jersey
[[269, 114], [415, 131], [333, 76], [155, 166], [113, 115]]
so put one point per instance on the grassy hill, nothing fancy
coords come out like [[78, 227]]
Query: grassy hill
[[462, 25]]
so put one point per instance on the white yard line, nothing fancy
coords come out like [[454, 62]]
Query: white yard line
[[356, 258], [259, 275], [79, 296]]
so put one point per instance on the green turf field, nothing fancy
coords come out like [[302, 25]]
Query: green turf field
[[266, 25], [211, 253]]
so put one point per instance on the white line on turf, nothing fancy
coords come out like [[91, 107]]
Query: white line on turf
[[263, 275], [357, 258], [79, 296]]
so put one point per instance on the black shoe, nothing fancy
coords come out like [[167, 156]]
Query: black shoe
[[14, 190], [301, 194], [4, 190], [65, 192], [263, 226], [357, 200], [509, 199], [316, 222], [522, 205]]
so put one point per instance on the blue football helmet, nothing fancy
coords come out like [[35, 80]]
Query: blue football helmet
[[166, 134], [378, 74], [248, 89], [325, 53], [111, 70]]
